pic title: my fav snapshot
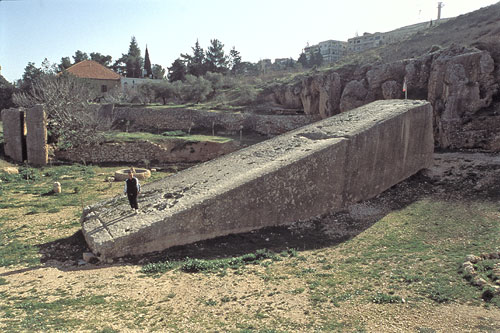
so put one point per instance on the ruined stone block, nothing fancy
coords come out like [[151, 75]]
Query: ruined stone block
[[13, 133], [36, 138], [313, 170]]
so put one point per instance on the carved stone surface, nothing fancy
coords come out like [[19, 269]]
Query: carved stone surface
[[315, 169], [13, 131], [36, 138]]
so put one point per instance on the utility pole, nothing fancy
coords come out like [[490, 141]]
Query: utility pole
[[440, 5]]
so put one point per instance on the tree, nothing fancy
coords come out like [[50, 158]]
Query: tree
[[80, 56], [248, 68], [133, 60], [196, 89], [65, 64], [158, 72], [147, 64], [177, 71], [303, 60], [316, 59], [163, 90], [216, 60], [48, 68], [100, 58], [30, 76], [235, 61], [119, 65], [195, 64], [72, 120], [6, 91]]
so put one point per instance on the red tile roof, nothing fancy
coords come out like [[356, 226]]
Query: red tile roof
[[89, 69]]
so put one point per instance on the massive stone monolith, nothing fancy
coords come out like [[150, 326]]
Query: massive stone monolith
[[36, 137], [13, 133], [310, 171]]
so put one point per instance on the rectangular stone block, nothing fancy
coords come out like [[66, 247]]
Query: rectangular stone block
[[36, 138], [13, 133], [310, 171]]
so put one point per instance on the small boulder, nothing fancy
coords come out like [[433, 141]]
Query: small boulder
[[57, 187], [90, 258], [87, 256], [472, 258], [479, 282], [10, 170]]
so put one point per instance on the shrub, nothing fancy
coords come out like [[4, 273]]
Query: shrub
[[195, 89], [382, 298], [247, 94], [157, 268]]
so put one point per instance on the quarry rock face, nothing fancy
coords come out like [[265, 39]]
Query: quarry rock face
[[462, 84], [321, 94], [315, 169]]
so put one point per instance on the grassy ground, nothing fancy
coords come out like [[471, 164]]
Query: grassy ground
[[134, 136], [398, 269], [28, 197]]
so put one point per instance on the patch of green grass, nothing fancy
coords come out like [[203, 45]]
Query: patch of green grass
[[191, 265], [297, 291], [418, 249], [30, 191], [157, 268], [35, 314], [382, 298], [14, 251], [199, 265], [3, 281], [135, 136]]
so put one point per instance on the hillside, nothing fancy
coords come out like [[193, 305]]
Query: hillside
[[454, 65], [472, 29]]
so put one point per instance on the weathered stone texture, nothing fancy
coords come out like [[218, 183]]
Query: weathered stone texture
[[13, 132], [173, 151], [462, 85], [36, 137], [309, 171], [155, 120]]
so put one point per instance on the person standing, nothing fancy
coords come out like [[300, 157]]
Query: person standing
[[132, 190]]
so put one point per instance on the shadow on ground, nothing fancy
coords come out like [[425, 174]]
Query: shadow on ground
[[454, 176], [324, 231]]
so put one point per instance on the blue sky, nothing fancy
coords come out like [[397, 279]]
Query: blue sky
[[31, 30]]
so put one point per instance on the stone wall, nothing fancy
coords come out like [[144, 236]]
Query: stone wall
[[13, 134], [307, 172], [166, 119], [173, 151]]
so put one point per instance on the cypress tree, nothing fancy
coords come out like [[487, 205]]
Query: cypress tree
[[147, 64]]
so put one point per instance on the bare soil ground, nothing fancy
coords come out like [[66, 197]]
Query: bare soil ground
[[323, 288]]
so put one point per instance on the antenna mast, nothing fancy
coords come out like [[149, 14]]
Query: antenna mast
[[440, 5]]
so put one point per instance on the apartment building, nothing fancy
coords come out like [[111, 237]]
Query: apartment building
[[330, 50]]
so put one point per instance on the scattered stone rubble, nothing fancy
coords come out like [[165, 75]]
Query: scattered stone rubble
[[475, 279]]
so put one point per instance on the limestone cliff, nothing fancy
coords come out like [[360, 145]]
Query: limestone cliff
[[461, 82]]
